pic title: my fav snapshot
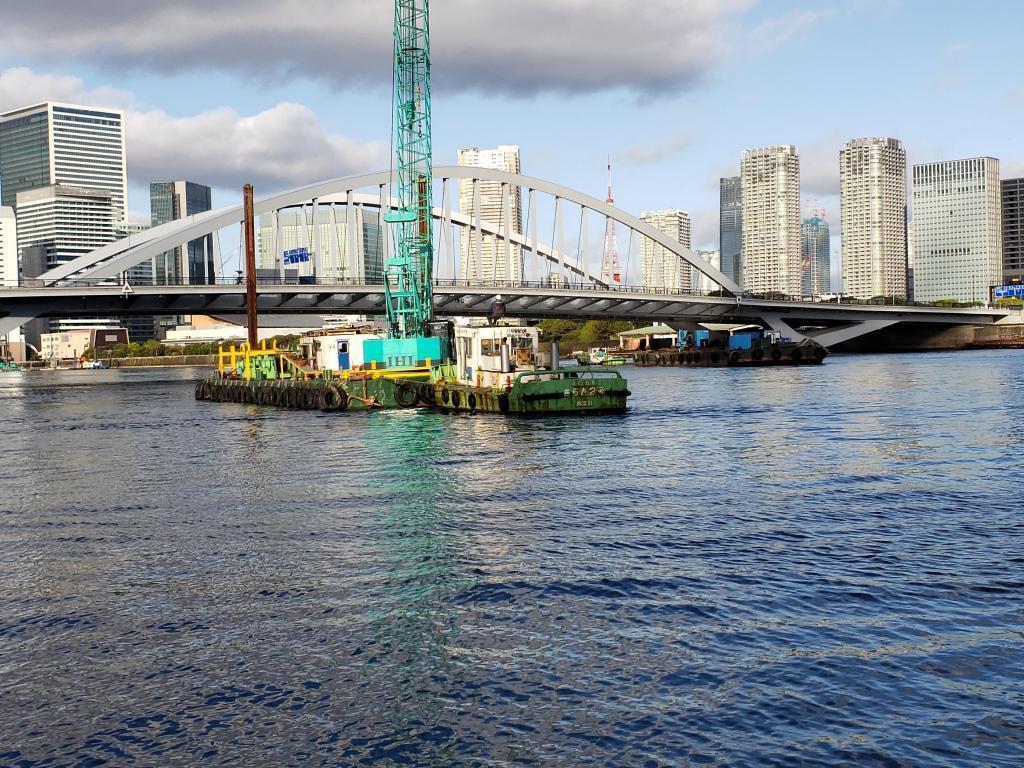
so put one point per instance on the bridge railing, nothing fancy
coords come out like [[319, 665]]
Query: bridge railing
[[581, 286]]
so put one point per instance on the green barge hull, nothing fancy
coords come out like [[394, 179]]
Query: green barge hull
[[313, 394], [564, 391], [535, 393]]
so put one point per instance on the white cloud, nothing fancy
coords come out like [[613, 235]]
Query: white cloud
[[284, 146], [654, 152], [281, 147], [21, 87], [523, 47], [776, 32]]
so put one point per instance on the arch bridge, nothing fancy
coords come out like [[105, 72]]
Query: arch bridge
[[526, 239]]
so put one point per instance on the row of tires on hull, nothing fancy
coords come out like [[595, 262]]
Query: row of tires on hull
[[409, 394], [327, 397], [733, 357]]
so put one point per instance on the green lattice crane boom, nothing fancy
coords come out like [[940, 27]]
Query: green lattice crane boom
[[408, 275]]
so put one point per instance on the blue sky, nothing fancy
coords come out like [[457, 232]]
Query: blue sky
[[673, 89]]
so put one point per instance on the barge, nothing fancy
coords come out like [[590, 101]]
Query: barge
[[745, 346], [496, 369]]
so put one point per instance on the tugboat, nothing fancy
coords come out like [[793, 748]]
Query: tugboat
[[501, 369]]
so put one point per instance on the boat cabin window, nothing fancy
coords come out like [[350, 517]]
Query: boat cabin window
[[343, 347]]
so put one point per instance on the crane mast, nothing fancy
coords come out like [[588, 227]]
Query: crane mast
[[408, 274]]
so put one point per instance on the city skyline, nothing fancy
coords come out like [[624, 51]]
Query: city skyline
[[648, 107]]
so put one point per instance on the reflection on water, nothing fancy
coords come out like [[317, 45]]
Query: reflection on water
[[778, 567]]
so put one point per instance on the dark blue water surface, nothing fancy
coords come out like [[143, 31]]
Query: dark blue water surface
[[813, 566]]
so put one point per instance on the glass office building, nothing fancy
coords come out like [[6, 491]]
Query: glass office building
[[193, 264], [65, 144], [730, 227], [817, 261]]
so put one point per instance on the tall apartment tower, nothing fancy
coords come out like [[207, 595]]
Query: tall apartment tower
[[873, 186], [816, 253], [485, 259], [770, 178], [730, 227], [699, 281], [193, 264], [53, 143], [958, 238], [1013, 230], [660, 269]]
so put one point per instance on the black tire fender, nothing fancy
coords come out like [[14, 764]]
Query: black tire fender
[[427, 394], [406, 395], [333, 399]]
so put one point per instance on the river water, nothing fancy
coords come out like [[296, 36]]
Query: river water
[[810, 566]]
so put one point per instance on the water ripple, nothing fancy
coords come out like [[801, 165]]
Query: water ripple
[[785, 567]]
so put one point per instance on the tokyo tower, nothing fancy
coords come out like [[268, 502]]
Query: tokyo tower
[[610, 270]]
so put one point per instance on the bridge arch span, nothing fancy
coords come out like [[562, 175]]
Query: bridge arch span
[[115, 258]]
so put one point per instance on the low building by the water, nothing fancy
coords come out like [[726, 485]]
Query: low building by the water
[[72, 344], [649, 337]]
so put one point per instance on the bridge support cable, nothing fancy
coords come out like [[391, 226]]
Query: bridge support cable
[[335, 269], [556, 237], [531, 222], [585, 226], [385, 239], [444, 233], [478, 256], [316, 258], [347, 258]]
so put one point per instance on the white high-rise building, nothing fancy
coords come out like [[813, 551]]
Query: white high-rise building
[[770, 178], [660, 269], [58, 223], [873, 185], [8, 248], [958, 243], [67, 222], [491, 259], [701, 282], [54, 143]]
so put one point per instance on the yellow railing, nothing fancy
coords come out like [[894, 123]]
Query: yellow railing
[[228, 359]]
